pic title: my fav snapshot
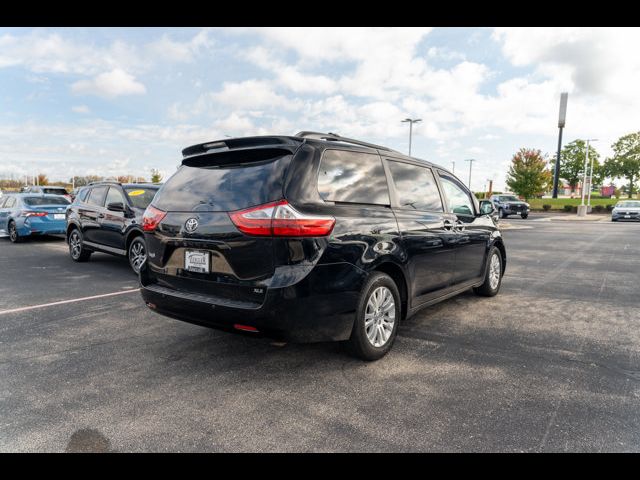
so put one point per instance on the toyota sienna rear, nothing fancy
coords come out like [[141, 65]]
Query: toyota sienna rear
[[313, 237]]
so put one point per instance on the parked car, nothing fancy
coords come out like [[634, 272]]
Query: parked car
[[626, 210], [107, 217], [26, 214], [48, 190], [510, 205], [314, 237]]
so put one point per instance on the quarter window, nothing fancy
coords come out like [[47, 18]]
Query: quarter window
[[459, 200], [415, 186], [352, 177]]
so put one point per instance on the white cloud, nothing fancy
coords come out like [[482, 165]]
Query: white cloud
[[110, 84], [80, 109]]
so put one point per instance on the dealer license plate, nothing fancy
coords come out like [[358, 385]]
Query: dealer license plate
[[196, 261]]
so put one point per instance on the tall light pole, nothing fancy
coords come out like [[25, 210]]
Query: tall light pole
[[586, 162], [453, 167], [470, 160], [562, 116], [411, 121]]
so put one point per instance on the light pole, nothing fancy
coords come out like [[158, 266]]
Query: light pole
[[411, 121], [584, 176], [561, 123], [591, 172], [470, 160], [453, 167]]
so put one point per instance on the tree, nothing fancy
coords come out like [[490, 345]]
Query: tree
[[156, 176], [528, 174], [625, 162], [572, 160], [42, 179]]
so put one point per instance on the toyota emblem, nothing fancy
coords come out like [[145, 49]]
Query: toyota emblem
[[191, 225]]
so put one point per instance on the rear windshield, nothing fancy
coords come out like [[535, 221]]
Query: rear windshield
[[36, 201], [140, 197], [55, 191], [223, 187]]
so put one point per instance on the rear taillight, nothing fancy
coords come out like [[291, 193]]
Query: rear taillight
[[151, 218], [279, 219], [27, 213]]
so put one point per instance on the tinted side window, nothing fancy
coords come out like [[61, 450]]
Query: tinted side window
[[96, 197], [352, 177], [459, 200], [415, 187], [82, 196]]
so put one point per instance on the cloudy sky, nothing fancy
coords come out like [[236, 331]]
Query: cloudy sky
[[110, 101]]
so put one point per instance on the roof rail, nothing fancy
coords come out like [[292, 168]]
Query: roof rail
[[110, 182], [334, 137]]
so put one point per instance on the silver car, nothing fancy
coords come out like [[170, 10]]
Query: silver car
[[626, 210]]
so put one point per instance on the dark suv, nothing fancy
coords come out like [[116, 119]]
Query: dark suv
[[510, 205], [107, 217], [314, 237]]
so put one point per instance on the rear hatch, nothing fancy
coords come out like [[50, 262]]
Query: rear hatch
[[196, 248], [48, 209]]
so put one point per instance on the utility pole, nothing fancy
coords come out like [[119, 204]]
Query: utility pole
[[561, 122], [411, 122], [586, 163], [470, 160], [453, 167]]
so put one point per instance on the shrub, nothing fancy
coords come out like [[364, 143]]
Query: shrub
[[598, 208], [546, 207], [609, 207], [568, 208], [574, 209]]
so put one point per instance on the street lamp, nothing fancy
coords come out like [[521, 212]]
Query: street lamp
[[470, 160], [411, 122], [584, 177]]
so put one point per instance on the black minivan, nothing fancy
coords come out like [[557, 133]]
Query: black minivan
[[314, 237]]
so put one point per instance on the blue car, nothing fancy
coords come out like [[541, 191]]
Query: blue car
[[26, 214]]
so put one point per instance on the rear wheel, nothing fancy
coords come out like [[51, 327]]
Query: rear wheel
[[502, 214], [13, 232], [377, 317], [137, 254], [492, 276], [77, 250]]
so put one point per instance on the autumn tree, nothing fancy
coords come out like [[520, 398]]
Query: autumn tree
[[528, 174], [42, 179], [625, 162]]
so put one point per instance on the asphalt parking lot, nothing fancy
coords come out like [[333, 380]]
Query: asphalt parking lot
[[550, 364]]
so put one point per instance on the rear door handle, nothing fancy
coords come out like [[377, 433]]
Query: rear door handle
[[448, 224]]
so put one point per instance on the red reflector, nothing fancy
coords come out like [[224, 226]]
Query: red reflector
[[26, 213], [245, 328], [151, 218], [280, 219]]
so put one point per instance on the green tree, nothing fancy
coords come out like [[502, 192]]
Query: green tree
[[528, 174], [625, 162], [572, 160], [156, 176]]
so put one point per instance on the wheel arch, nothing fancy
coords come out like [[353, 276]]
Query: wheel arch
[[133, 233], [499, 244], [397, 274]]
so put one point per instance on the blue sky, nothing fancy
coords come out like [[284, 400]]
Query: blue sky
[[112, 101]]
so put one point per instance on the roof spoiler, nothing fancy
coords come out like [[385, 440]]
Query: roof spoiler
[[237, 143]]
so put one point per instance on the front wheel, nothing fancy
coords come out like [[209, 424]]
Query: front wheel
[[13, 233], [137, 254], [502, 214], [524, 215], [492, 276], [377, 317]]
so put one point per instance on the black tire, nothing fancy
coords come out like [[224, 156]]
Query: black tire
[[136, 248], [524, 216], [502, 214], [77, 250], [486, 289], [614, 219], [14, 236], [359, 344]]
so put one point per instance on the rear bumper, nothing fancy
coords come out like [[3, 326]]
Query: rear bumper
[[320, 307], [36, 227]]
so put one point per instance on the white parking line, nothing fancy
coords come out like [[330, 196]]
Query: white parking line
[[62, 302]]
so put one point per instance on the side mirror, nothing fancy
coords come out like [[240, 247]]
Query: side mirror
[[116, 207], [486, 207]]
